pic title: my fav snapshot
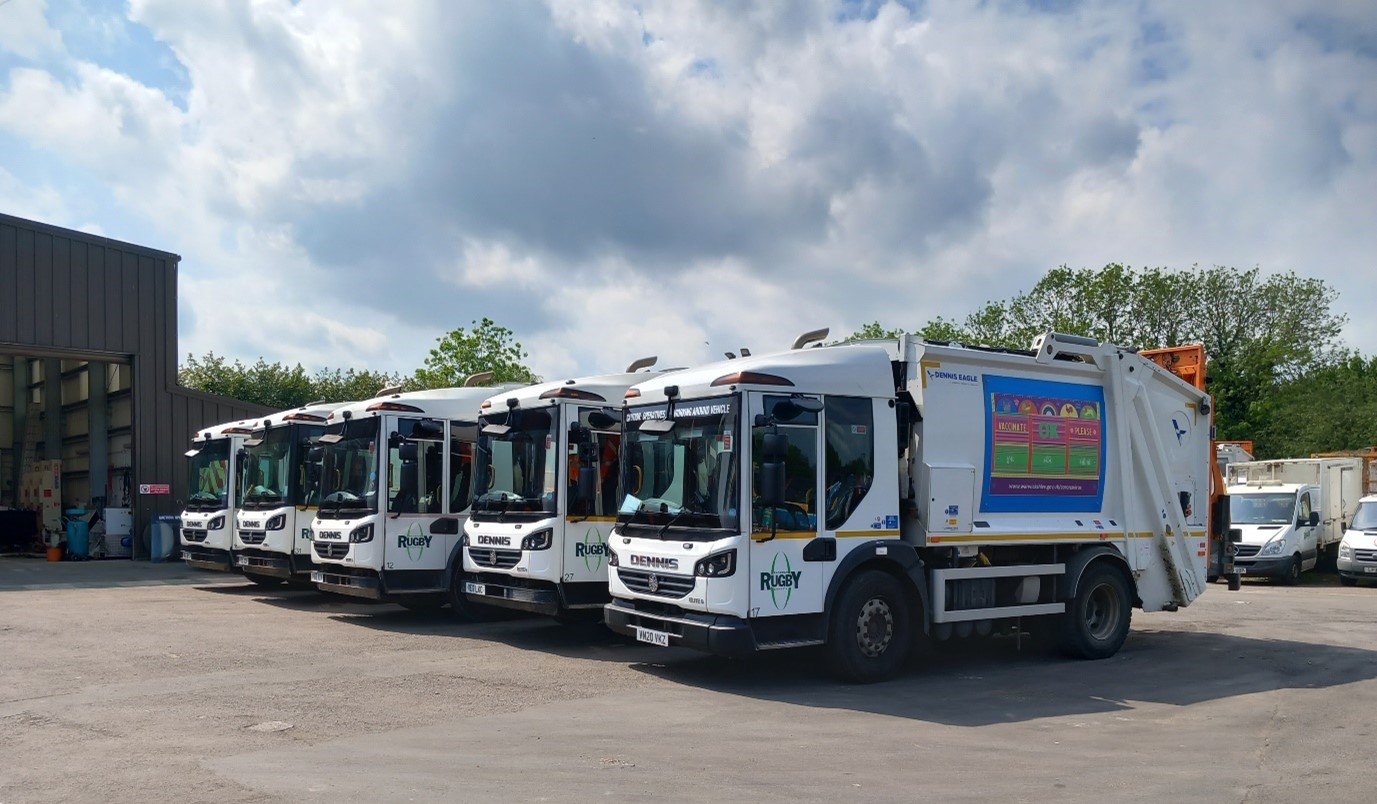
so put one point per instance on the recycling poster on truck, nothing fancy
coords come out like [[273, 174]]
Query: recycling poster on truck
[[1045, 445]]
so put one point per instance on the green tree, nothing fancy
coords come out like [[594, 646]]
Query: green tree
[[459, 354], [277, 386], [1328, 408]]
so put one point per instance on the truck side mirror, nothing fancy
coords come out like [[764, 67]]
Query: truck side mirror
[[315, 454], [587, 484], [1314, 519], [774, 446], [1235, 535], [407, 452], [772, 483]]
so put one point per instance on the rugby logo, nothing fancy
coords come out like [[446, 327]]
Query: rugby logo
[[592, 549], [780, 581], [414, 541]]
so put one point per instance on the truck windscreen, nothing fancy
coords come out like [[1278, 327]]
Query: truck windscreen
[[679, 466]]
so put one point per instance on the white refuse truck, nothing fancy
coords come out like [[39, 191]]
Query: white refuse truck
[[546, 495], [854, 495], [207, 532], [280, 467], [397, 477], [1291, 511]]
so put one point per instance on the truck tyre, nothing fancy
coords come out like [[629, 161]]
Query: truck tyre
[[466, 610], [266, 581], [1235, 582], [1096, 621], [868, 632], [1292, 574], [1344, 580]]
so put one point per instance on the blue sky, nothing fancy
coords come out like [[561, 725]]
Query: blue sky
[[347, 180]]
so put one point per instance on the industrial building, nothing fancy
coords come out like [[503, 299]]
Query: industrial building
[[89, 401]]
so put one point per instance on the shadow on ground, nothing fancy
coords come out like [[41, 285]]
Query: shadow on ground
[[982, 682]]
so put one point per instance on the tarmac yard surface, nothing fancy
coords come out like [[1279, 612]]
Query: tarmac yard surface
[[160, 684]]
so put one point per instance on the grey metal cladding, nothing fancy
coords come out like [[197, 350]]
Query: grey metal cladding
[[78, 296]]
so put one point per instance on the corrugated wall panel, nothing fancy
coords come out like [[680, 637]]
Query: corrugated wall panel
[[23, 290], [44, 302], [95, 293], [60, 292], [9, 278], [78, 301]]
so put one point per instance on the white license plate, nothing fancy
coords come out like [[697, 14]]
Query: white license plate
[[242, 561], [186, 556], [652, 637], [1370, 569], [471, 588], [317, 577], [1241, 570]]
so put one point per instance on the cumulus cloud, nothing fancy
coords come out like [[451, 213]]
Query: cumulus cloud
[[608, 177]]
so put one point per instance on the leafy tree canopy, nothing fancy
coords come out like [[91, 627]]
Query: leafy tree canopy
[[1263, 334], [276, 386], [458, 354]]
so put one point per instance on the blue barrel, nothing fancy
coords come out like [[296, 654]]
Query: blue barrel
[[78, 534]]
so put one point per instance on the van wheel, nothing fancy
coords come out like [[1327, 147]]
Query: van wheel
[[868, 632], [1096, 621], [265, 580], [1347, 581], [1292, 575]]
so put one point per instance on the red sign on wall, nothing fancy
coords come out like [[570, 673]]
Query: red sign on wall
[[155, 488]]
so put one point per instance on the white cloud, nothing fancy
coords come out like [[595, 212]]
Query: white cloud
[[611, 178], [24, 30]]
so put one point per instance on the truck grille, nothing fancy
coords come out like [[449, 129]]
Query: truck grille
[[193, 535], [497, 559], [329, 550], [252, 537], [1246, 550], [662, 585], [1365, 555]]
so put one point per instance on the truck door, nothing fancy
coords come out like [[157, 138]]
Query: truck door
[[781, 582], [1308, 534], [414, 486]]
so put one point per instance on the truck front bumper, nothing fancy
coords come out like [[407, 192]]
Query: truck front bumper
[[275, 565], [1272, 566], [353, 581], [209, 558], [528, 594], [721, 634]]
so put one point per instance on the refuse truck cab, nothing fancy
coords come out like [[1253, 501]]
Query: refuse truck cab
[[547, 492], [207, 522], [281, 474], [396, 482]]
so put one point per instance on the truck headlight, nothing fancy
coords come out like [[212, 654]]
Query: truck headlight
[[718, 565], [216, 522], [1345, 552], [1272, 548], [362, 534], [277, 522], [612, 558], [540, 540]]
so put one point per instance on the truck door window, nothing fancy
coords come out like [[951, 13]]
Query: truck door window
[[414, 485], [1303, 515], [800, 428], [602, 453], [461, 438], [850, 455]]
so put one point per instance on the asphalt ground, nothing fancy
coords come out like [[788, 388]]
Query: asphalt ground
[[124, 681]]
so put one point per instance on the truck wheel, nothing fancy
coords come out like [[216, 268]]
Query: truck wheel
[[1344, 580], [466, 610], [868, 632], [1292, 574], [264, 580], [1095, 624], [1235, 582]]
